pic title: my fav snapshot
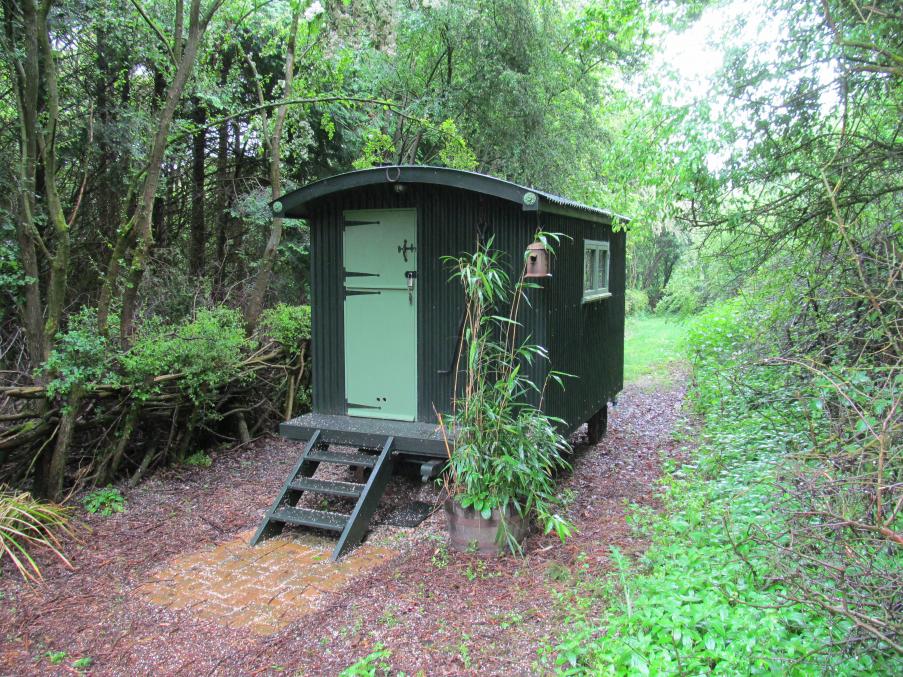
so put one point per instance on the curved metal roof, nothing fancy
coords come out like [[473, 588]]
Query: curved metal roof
[[294, 204]]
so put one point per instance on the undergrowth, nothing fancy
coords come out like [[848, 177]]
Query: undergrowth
[[105, 501], [704, 598]]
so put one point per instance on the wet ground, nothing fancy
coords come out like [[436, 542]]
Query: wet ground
[[170, 586]]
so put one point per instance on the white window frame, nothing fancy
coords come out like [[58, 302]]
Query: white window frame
[[594, 250]]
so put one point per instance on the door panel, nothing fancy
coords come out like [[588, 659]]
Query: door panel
[[380, 313]]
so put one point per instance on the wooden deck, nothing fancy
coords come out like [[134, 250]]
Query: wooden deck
[[414, 438]]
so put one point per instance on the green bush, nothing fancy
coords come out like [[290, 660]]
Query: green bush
[[289, 326], [705, 598], [105, 501], [636, 301], [199, 460], [207, 351], [682, 297], [12, 275], [81, 356]]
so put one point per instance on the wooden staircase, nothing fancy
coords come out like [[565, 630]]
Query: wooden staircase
[[351, 528]]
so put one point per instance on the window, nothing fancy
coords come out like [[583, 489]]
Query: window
[[595, 270]]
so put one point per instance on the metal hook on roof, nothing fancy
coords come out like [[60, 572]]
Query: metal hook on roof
[[397, 175]]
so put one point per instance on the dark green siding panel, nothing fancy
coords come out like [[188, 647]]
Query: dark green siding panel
[[583, 339], [586, 339], [327, 337], [451, 224]]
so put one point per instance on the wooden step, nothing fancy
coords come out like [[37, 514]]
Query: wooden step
[[317, 519], [329, 487], [341, 458]]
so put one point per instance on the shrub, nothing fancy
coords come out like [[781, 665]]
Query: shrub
[[289, 326], [206, 351], [504, 451], [717, 591], [80, 356], [199, 460], [25, 524], [636, 301], [106, 501]]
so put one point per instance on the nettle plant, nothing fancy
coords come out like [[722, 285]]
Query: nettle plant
[[503, 451]]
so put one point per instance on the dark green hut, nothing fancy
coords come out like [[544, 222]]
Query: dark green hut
[[386, 318]]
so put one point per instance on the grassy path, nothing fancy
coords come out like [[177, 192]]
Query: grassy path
[[652, 348]]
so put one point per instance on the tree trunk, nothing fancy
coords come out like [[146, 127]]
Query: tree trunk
[[27, 78], [108, 472], [56, 472], [261, 283], [198, 236], [144, 209], [223, 189]]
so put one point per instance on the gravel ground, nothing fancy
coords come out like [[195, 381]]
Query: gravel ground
[[438, 612]]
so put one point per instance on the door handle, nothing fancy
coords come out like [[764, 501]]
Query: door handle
[[410, 276]]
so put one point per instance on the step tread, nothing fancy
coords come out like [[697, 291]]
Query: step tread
[[341, 458], [303, 517], [331, 487]]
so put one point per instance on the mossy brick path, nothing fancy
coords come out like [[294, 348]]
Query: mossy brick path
[[261, 589]]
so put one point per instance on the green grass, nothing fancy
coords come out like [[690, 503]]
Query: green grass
[[652, 344]]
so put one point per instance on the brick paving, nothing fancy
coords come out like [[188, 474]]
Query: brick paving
[[262, 589]]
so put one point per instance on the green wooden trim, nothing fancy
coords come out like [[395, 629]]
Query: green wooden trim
[[601, 296], [293, 205], [595, 248]]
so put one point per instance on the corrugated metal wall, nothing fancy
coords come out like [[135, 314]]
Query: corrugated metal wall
[[584, 339]]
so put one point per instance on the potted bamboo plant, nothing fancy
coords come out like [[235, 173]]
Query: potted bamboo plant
[[503, 452]]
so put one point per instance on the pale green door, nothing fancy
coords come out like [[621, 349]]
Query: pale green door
[[381, 313]]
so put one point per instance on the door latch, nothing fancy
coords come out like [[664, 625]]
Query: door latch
[[403, 250], [410, 276]]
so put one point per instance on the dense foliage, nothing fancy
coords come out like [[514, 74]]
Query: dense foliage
[[804, 220], [711, 594]]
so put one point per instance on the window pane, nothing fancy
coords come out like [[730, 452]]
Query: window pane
[[602, 282], [589, 256]]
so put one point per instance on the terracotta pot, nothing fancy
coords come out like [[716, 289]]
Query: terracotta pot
[[469, 531]]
